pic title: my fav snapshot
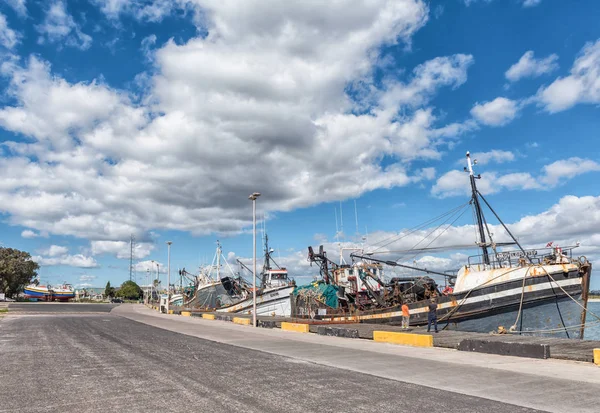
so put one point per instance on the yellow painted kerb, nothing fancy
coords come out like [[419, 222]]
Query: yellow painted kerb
[[208, 316], [242, 321], [186, 313], [597, 356], [299, 328], [170, 311], [406, 339]]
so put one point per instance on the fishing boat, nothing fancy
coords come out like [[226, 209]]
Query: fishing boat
[[209, 286], [36, 292], [273, 296], [537, 292]]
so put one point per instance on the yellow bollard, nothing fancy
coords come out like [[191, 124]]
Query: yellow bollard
[[406, 339], [597, 356], [297, 327], [242, 321]]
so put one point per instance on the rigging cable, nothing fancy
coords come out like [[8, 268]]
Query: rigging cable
[[414, 229]]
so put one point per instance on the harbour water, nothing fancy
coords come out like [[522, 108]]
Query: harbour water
[[592, 330]]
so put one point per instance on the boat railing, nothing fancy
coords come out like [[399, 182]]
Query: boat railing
[[520, 258]]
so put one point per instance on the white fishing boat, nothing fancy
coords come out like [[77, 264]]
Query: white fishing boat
[[273, 296]]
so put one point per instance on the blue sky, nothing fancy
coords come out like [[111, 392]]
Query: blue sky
[[158, 119]]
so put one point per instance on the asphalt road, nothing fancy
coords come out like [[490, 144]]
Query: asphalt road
[[102, 362], [56, 307]]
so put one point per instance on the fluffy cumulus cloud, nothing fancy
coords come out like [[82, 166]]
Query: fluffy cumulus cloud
[[77, 260], [261, 103], [8, 37], [54, 250], [60, 27], [456, 183], [529, 66], [493, 156], [32, 234], [581, 86], [122, 249], [498, 112], [566, 169]]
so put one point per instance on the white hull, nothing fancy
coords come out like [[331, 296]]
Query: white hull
[[274, 302]]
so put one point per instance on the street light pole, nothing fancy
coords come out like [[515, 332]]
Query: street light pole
[[147, 300], [253, 199], [168, 273], [152, 288]]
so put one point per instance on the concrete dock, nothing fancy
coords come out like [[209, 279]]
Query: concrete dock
[[558, 348]]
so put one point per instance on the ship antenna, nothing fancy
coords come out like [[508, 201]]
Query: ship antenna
[[478, 212]]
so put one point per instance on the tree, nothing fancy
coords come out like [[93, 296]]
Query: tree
[[130, 290], [108, 290], [16, 270]]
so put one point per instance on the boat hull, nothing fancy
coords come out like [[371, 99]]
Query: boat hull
[[546, 309], [210, 296], [274, 302], [43, 294]]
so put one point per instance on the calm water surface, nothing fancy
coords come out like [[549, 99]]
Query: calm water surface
[[592, 331]]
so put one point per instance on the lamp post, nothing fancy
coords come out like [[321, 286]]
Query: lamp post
[[147, 300], [152, 287], [253, 198], [157, 275], [168, 273]]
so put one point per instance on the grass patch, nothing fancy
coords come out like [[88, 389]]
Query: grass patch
[[3, 310]]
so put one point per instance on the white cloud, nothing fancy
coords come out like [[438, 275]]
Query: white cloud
[[259, 103], [151, 11], [60, 27], [581, 86], [145, 266], [122, 249], [454, 183], [77, 260], [427, 79], [498, 112], [493, 156], [54, 250], [86, 277], [565, 169], [147, 43], [19, 6], [32, 234], [529, 66], [8, 37]]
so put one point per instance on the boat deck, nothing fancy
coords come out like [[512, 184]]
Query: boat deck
[[560, 348]]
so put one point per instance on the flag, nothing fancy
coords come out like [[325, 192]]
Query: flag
[[548, 245]]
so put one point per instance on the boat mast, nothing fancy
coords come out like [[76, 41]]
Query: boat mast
[[267, 263], [478, 212], [218, 260]]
